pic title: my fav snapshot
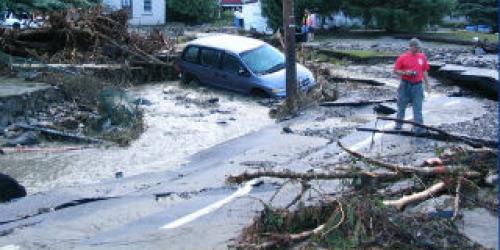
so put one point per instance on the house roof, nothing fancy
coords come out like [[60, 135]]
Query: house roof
[[235, 44]]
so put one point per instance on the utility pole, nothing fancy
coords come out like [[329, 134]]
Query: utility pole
[[291, 64]]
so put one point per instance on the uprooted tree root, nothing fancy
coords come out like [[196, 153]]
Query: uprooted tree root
[[350, 223]]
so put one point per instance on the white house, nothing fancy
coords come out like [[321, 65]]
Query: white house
[[141, 12], [253, 18]]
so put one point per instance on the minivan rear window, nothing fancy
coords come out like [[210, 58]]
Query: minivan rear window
[[191, 54], [209, 57]]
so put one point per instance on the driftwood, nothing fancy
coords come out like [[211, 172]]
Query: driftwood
[[356, 103], [474, 142], [310, 176], [6, 150], [61, 134], [146, 58], [284, 238], [359, 80], [420, 170], [456, 206], [76, 66], [416, 197]]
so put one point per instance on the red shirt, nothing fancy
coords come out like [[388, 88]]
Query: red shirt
[[417, 63]]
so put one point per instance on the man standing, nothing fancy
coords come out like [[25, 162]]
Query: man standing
[[412, 66]]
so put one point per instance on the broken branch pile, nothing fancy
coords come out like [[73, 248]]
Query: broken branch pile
[[372, 218], [89, 37]]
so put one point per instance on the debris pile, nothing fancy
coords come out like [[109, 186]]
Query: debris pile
[[374, 210], [89, 37]]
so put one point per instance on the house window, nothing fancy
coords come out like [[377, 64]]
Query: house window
[[148, 6], [127, 5]]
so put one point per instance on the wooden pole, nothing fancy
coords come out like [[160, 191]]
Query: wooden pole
[[291, 65]]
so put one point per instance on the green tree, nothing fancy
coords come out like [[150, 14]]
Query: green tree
[[400, 16], [480, 11], [192, 11]]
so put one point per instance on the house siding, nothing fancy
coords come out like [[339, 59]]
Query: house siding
[[139, 16]]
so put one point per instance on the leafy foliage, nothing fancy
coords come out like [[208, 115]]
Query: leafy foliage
[[480, 11], [400, 16], [391, 15], [192, 11]]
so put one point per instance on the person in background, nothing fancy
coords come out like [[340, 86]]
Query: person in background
[[238, 17], [308, 25], [412, 67]]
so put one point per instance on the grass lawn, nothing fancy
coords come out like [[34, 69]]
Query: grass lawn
[[465, 36], [364, 53]]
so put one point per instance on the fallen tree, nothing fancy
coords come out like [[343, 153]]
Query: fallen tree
[[370, 217]]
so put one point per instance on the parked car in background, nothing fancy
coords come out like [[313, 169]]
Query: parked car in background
[[241, 64], [19, 20]]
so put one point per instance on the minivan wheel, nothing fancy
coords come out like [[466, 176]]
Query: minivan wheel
[[259, 93]]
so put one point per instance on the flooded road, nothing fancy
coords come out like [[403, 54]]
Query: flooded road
[[180, 122]]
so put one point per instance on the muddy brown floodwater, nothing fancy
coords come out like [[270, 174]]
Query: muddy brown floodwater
[[180, 122]]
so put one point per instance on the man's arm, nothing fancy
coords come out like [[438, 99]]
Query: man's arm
[[426, 82]]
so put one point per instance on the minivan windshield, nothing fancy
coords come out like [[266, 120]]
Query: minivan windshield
[[264, 59]]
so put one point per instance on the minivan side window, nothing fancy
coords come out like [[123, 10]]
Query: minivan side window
[[231, 64], [209, 57], [191, 54]]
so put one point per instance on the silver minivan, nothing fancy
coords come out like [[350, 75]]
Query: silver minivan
[[241, 64]]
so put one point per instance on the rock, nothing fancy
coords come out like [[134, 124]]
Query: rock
[[11, 189], [142, 101], [287, 130], [24, 139], [491, 179], [221, 122], [213, 100], [384, 109], [119, 175]]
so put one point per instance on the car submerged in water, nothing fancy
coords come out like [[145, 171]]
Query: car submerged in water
[[241, 64]]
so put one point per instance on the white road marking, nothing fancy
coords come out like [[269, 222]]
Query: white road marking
[[247, 187]]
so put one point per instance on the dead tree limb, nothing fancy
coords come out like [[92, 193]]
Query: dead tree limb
[[13, 150], [356, 103], [311, 176], [422, 171], [474, 142], [434, 136], [416, 197], [147, 58], [61, 134], [305, 186], [284, 239], [456, 207]]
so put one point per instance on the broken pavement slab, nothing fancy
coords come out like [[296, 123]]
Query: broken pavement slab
[[485, 80]]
